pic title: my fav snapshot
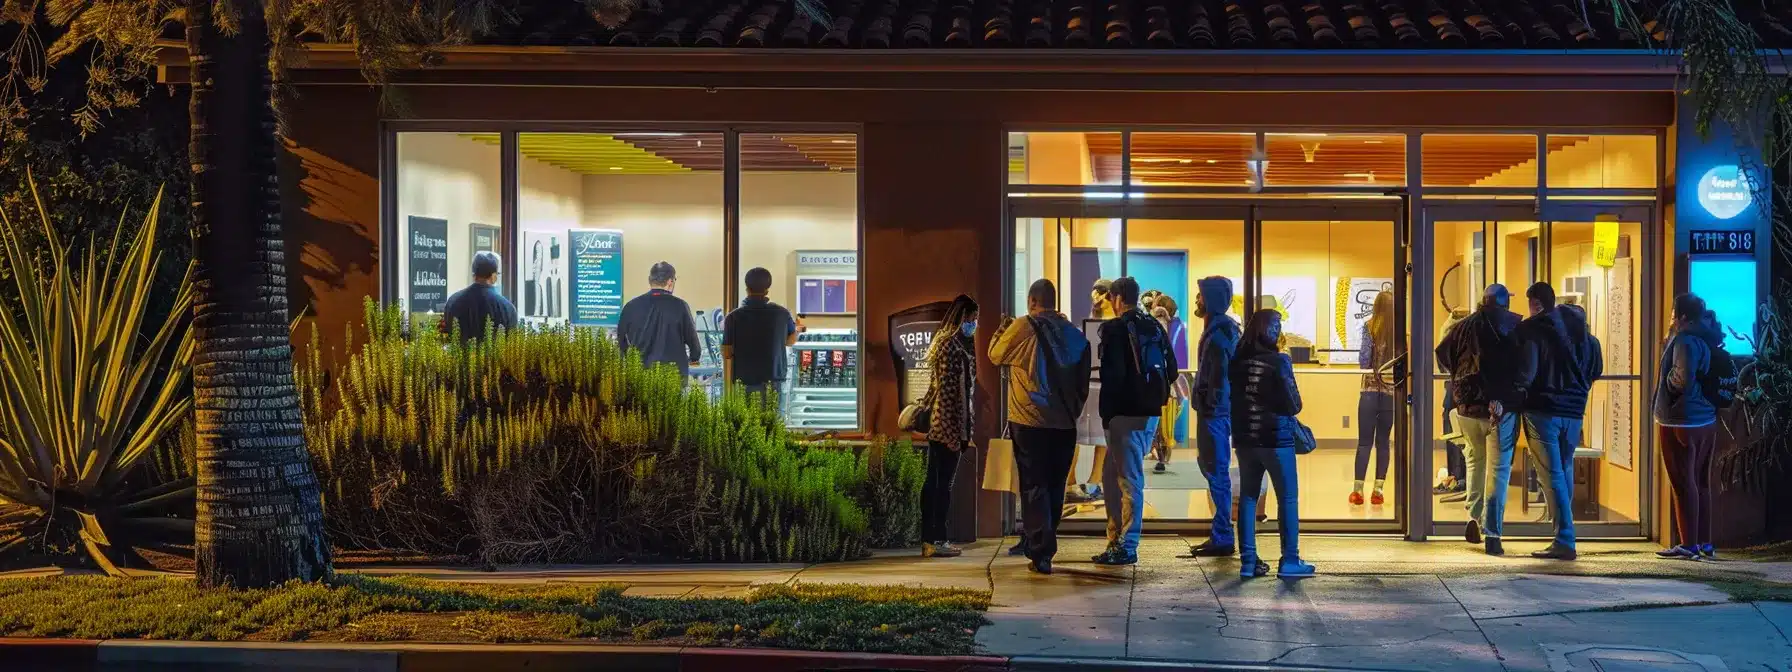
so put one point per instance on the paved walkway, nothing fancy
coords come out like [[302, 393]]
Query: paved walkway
[[1378, 604]]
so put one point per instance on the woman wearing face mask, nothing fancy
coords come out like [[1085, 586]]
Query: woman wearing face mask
[[954, 375], [1265, 402]]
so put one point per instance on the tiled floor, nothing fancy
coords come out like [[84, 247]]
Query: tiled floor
[[1327, 477]]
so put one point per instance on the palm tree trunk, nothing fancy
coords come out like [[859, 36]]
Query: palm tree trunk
[[260, 518]]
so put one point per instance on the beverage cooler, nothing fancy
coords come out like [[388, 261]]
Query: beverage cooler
[[823, 388]]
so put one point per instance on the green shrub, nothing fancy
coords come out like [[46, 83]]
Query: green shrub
[[549, 445]]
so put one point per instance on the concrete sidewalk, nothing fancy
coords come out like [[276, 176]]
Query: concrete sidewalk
[[1378, 603]]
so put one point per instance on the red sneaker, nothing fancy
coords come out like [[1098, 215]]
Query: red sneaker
[[1376, 499], [1356, 499]]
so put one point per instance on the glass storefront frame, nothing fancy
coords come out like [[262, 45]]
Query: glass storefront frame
[[391, 284], [1422, 207]]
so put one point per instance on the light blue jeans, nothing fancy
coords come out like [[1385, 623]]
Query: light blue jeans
[[1213, 446], [1553, 440], [1489, 457], [1123, 479]]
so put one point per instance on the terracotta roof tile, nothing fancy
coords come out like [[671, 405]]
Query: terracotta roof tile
[[1118, 24]]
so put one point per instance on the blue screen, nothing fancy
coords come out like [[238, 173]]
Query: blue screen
[[1728, 287]]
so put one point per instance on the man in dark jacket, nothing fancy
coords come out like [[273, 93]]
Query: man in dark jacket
[[754, 339], [1137, 368], [1213, 408], [1481, 355], [1560, 361], [479, 305], [659, 324]]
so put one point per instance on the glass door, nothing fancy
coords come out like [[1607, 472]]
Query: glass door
[[1337, 275], [1595, 258]]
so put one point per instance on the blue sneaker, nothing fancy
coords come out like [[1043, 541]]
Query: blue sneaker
[[1708, 552], [1250, 568], [1116, 558], [1295, 569], [1681, 552]]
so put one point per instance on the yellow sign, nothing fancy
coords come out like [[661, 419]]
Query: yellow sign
[[1605, 241]]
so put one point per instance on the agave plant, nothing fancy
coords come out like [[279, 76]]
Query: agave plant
[[88, 391]]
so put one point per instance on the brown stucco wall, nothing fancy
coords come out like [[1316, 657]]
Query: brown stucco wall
[[329, 189]]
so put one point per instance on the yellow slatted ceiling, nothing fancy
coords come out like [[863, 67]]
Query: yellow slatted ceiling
[[588, 153]]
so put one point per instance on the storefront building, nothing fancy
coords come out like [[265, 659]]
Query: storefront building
[[872, 169]]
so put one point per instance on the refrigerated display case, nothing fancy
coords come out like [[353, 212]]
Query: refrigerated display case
[[822, 391]]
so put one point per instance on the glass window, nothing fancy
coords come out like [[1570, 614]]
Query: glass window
[[1064, 158], [799, 219], [1602, 161], [449, 188], [1193, 159], [1334, 159], [596, 212], [1326, 277], [1607, 292], [1479, 160]]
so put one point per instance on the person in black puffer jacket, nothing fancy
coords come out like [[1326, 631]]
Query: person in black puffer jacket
[[1265, 401]]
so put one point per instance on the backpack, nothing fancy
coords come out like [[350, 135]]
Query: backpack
[[1060, 383], [1152, 373], [1720, 381]]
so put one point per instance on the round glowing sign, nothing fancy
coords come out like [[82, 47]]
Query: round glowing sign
[[1724, 192]]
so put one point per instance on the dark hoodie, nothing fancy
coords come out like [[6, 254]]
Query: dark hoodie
[[1680, 399], [1481, 355], [1219, 343], [1561, 360]]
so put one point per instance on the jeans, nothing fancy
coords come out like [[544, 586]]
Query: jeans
[[1374, 422], [1123, 479], [1278, 462], [936, 491], [1687, 452], [1213, 451], [769, 395], [1044, 457], [1489, 458], [1553, 439]]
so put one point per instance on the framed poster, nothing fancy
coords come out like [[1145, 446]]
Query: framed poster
[[1295, 297], [827, 282], [544, 275], [596, 277], [428, 264], [485, 239], [1353, 302]]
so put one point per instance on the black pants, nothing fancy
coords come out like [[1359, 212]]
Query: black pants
[[936, 491], [1374, 423], [1043, 456]]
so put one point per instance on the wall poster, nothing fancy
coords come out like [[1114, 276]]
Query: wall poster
[[428, 264], [596, 277], [1352, 303], [827, 282], [1618, 347], [485, 239], [544, 276], [1295, 297]]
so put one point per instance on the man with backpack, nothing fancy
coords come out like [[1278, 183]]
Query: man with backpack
[[1692, 387], [1048, 382], [1560, 360], [1138, 366]]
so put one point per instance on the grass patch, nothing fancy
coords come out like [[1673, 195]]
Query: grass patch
[[360, 608], [1775, 552]]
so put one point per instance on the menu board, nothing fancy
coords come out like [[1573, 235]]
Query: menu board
[[596, 277], [428, 266], [911, 336], [827, 282]]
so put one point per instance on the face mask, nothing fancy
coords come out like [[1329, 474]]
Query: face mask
[[969, 327]]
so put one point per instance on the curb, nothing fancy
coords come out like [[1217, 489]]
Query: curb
[[54, 655], [1064, 664]]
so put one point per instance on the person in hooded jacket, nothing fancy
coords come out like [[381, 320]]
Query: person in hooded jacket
[[1561, 359], [1048, 382], [1481, 355], [1687, 422], [1213, 408], [953, 369], [1265, 401]]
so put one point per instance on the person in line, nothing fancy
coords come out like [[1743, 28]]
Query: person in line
[[659, 325], [1213, 408], [755, 337], [1375, 404], [1137, 369], [1048, 382], [479, 306], [1165, 310], [1481, 356], [1561, 359], [1453, 486], [1687, 422], [1265, 403], [953, 370], [1089, 430]]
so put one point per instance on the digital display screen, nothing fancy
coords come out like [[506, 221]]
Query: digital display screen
[[1728, 288]]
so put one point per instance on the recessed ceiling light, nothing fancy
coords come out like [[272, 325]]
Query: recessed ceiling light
[[615, 167], [647, 135], [1213, 160], [841, 142]]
